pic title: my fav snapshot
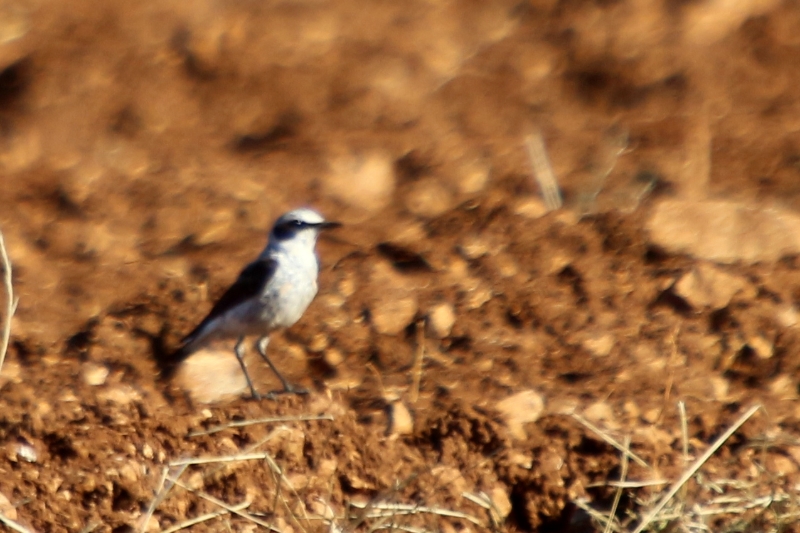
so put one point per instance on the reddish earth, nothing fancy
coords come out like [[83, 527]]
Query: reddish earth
[[146, 148]]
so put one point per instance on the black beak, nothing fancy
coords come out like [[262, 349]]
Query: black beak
[[329, 225]]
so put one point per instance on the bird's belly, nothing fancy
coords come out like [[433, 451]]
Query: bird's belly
[[290, 302]]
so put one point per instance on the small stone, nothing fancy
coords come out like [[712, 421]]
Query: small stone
[[365, 181], [520, 409], [787, 316], [25, 451], [6, 509], [401, 422], [333, 357], [428, 198], [783, 387], [472, 175], [441, 320], [762, 347], [94, 374], [708, 286], [395, 302], [211, 376], [474, 247], [477, 295], [501, 503], [215, 229], [391, 316], [120, 395], [318, 343], [599, 344], [130, 472], [651, 415], [326, 468], [599, 412], [780, 465], [147, 451], [532, 208]]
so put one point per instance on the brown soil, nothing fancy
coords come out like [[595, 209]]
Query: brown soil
[[146, 147]]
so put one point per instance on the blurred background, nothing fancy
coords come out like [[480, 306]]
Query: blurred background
[[127, 130]]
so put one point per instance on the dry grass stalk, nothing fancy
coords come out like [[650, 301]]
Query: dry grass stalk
[[543, 171], [623, 474], [204, 518], [233, 509], [11, 302], [692, 470], [269, 420], [611, 440], [419, 357], [11, 524]]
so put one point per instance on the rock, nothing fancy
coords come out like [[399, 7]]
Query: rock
[[599, 412], [501, 503], [787, 316], [441, 320], [531, 208], [783, 387], [471, 175], [761, 346], [395, 303], [147, 451], [211, 375], [120, 395], [333, 357], [599, 344], [708, 22], [474, 247], [708, 286], [365, 181], [401, 422], [215, 227], [724, 231], [428, 198], [6, 509], [780, 465], [520, 409], [94, 374]]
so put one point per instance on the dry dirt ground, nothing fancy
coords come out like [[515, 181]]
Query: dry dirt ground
[[476, 362]]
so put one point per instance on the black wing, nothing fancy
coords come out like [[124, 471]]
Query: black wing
[[251, 281]]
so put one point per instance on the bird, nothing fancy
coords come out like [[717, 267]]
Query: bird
[[270, 293]]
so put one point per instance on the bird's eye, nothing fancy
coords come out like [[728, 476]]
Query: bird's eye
[[297, 223]]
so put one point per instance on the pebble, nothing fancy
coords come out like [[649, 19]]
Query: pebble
[[6, 509], [120, 395], [520, 409], [599, 344], [365, 181], [428, 198], [599, 412], [532, 208], [762, 346], [441, 320], [501, 503], [395, 304], [708, 286], [401, 421], [94, 374], [211, 375]]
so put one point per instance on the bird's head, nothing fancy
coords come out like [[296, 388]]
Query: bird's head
[[299, 227]]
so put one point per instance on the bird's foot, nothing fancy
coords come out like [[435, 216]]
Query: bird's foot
[[289, 389]]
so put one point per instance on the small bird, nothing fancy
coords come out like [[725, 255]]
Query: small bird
[[270, 293]]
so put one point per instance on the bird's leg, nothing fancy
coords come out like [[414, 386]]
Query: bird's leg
[[239, 350], [261, 345]]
